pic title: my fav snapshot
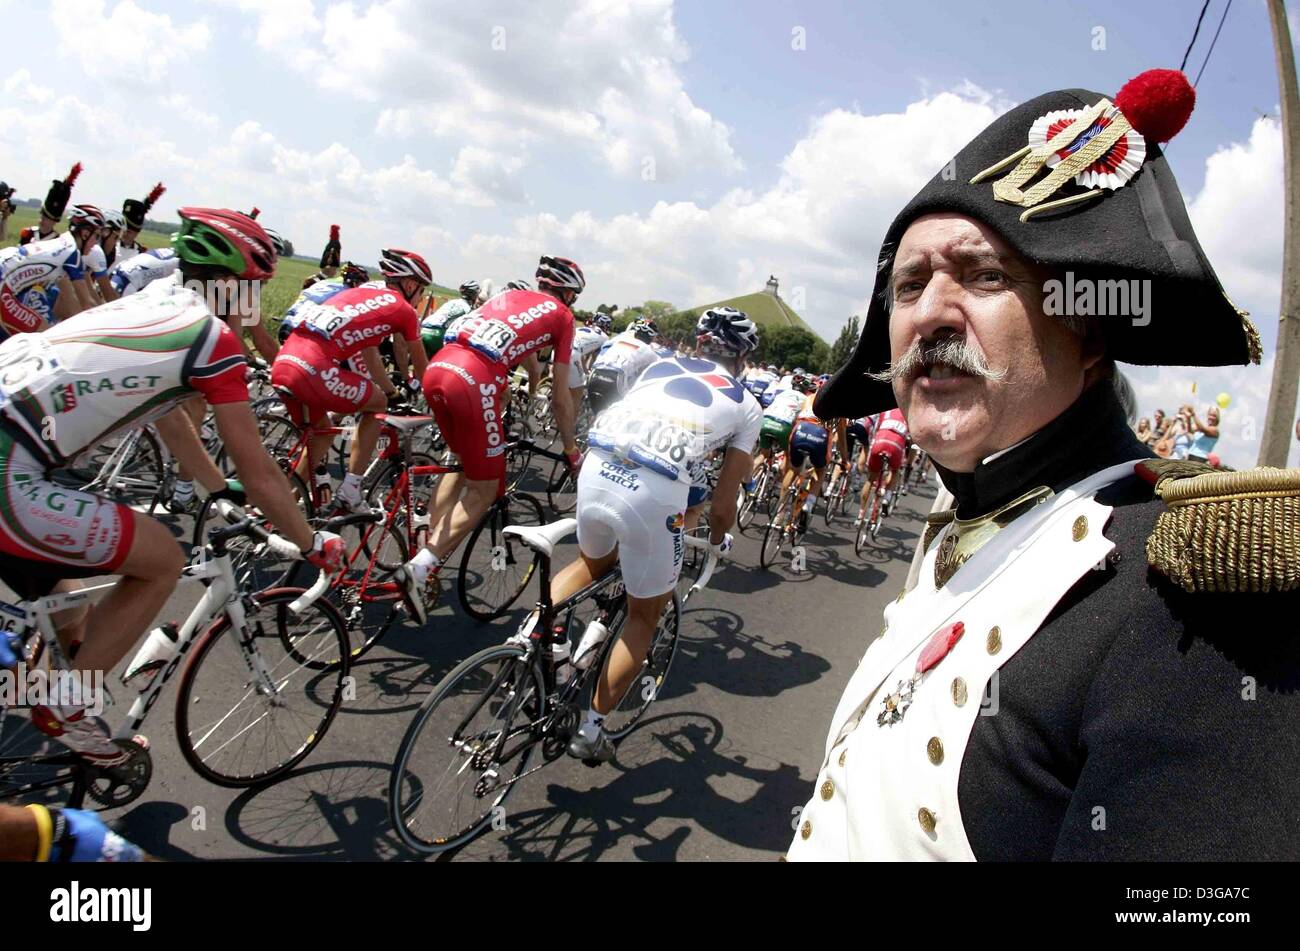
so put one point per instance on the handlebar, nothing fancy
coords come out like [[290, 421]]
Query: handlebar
[[710, 563], [244, 525]]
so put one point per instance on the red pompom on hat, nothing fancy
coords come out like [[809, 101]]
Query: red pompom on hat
[[154, 195], [334, 232], [1157, 103], [73, 175]]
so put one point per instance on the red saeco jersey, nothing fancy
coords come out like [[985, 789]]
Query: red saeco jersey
[[514, 324], [361, 317]]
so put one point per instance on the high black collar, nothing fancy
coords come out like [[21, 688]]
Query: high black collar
[[1088, 437]]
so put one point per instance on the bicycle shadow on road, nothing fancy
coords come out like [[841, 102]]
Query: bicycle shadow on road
[[328, 811], [676, 776], [719, 653]]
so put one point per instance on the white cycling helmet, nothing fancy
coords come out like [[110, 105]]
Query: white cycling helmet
[[396, 263], [283, 247], [728, 329], [115, 221]]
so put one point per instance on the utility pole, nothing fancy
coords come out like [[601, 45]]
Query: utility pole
[[1276, 443]]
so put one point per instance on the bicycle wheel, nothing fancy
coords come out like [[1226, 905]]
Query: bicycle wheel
[[561, 489], [35, 768], [833, 497], [773, 537], [232, 730], [369, 605], [138, 475], [468, 744], [256, 566], [495, 568], [650, 679], [745, 514]]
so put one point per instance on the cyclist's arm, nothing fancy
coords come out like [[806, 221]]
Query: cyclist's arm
[[106, 289], [737, 465], [19, 834], [402, 355], [177, 431], [419, 359], [266, 344], [85, 294], [262, 479], [562, 407], [68, 304], [534, 368], [375, 367]]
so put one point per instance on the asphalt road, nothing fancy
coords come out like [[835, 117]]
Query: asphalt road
[[716, 770]]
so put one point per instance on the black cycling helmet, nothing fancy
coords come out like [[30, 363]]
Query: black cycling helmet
[[354, 275], [469, 291]]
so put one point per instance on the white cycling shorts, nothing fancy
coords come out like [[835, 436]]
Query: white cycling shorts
[[639, 511]]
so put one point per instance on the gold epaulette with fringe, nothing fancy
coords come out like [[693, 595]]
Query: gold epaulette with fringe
[[1226, 531]]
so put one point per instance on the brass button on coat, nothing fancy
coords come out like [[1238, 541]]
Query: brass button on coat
[[805, 830], [828, 789], [927, 820], [843, 753], [1080, 528], [959, 692], [934, 749], [995, 639]]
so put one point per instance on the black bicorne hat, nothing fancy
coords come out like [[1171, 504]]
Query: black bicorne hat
[[135, 211], [1078, 184], [333, 249], [56, 200]]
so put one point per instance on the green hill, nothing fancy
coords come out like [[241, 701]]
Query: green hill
[[766, 310]]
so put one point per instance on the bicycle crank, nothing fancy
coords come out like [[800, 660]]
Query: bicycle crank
[[123, 784]]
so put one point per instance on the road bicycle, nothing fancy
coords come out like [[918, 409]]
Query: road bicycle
[[787, 525], [262, 676], [763, 498], [473, 738], [874, 514]]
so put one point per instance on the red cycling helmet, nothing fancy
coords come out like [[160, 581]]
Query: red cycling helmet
[[219, 237], [396, 264]]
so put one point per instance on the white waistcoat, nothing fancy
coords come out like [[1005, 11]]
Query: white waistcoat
[[890, 793]]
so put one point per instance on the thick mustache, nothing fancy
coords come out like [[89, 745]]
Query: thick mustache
[[955, 352]]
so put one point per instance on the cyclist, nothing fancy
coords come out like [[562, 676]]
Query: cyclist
[[758, 380], [140, 270], [634, 488], [467, 387], [434, 325], [33, 278], [620, 363], [101, 258], [810, 442], [317, 292], [888, 445], [309, 374], [588, 338], [100, 374], [779, 413]]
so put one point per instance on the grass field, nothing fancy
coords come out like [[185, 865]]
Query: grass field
[[276, 299]]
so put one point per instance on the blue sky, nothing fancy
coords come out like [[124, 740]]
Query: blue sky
[[679, 151]]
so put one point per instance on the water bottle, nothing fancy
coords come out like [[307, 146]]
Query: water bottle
[[589, 646], [157, 652], [560, 662]]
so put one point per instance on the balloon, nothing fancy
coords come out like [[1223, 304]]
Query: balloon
[[1223, 400]]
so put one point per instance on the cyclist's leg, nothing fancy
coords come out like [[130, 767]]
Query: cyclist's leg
[[446, 533]]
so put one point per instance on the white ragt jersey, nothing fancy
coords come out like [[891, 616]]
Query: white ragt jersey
[[680, 411]]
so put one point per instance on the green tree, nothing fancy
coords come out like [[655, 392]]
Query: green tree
[[844, 344], [794, 347]]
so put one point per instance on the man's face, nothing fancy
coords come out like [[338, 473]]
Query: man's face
[[130, 234], [954, 277]]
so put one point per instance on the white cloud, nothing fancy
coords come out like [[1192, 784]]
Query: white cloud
[[128, 46], [599, 75], [185, 109]]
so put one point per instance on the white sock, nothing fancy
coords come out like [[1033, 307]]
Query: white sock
[[184, 490], [424, 562], [809, 502], [351, 484], [591, 724]]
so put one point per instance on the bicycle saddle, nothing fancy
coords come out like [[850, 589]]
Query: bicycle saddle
[[544, 538], [404, 423]]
